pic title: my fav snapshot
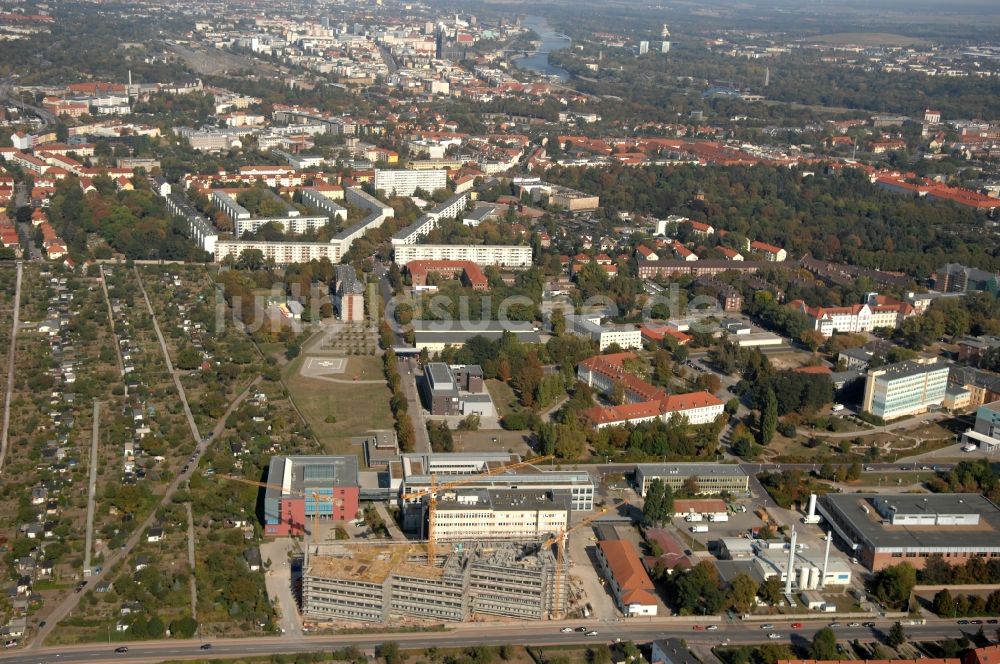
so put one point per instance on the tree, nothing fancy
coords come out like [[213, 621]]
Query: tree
[[771, 590], [944, 605], [824, 645], [390, 652], [742, 593], [893, 585], [769, 417], [655, 511], [188, 358], [897, 636]]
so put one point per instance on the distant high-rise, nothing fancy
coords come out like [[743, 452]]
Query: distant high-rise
[[325, 22], [643, 47], [767, 76], [665, 47], [665, 32]]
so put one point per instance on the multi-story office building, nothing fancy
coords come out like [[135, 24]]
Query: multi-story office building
[[710, 477], [905, 388], [311, 486], [476, 515], [404, 183]]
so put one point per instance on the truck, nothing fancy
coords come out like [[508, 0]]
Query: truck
[[718, 517], [969, 447], [837, 407], [702, 528], [693, 517]]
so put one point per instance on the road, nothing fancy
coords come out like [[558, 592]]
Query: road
[[5, 88], [111, 320], [415, 409], [538, 634], [95, 438], [166, 357], [64, 608], [11, 360], [191, 579]]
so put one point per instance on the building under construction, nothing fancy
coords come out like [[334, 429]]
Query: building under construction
[[371, 583]]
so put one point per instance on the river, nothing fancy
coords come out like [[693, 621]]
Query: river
[[551, 41]]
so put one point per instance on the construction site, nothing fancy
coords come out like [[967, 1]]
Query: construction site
[[378, 583]]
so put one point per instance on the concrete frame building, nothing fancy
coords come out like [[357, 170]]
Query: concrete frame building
[[321, 486], [199, 228], [415, 232], [887, 529], [986, 431], [435, 336], [711, 477], [359, 582], [905, 388], [316, 199], [456, 390]]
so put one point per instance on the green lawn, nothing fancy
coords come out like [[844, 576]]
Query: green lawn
[[356, 407], [503, 397]]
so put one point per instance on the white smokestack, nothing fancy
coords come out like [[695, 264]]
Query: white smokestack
[[791, 564], [826, 560], [812, 505]]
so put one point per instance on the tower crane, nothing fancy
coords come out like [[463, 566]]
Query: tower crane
[[559, 539], [432, 491]]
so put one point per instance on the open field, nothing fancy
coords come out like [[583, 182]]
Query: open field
[[338, 411], [503, 397]]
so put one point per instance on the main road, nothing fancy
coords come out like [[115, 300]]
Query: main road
[[538, 634], [11, 360]]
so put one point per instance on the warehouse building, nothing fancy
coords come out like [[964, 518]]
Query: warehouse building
[[887, 529], [322, 486], [436, 335], [712, 478], [364, 583]]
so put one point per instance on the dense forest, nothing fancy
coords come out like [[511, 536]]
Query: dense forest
[[839, 217]]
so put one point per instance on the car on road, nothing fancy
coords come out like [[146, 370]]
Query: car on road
[[975, 622], [854, 624], [774, 635], [566, 630], [592, 633], [963, 622], [835, 624], [121, 650], [205, 646], [80, 586], [868, 624], [712, 628], [796, 625], [582, 630], [992, 621], [767, 626], [699, 628]]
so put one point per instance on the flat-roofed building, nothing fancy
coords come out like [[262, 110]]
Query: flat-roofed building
[[905, 388], [711, 477], [404, 182], [349, 294], [322, 486], [468, 514], [435, 336], [504, 255], [411, 474], [887, 529], [625, 336]]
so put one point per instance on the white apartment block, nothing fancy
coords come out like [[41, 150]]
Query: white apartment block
[[483, 254], [282, 253], [227, 203], [296, 225], [876, 312], [416, 231], [320, 201], [404, 183]]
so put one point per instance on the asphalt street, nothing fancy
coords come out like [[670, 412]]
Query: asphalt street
[[545, 634]]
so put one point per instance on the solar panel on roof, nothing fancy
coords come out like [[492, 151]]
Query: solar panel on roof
[[315, 472]]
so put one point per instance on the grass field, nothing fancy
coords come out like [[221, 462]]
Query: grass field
[[355, 407], [503, 396]]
